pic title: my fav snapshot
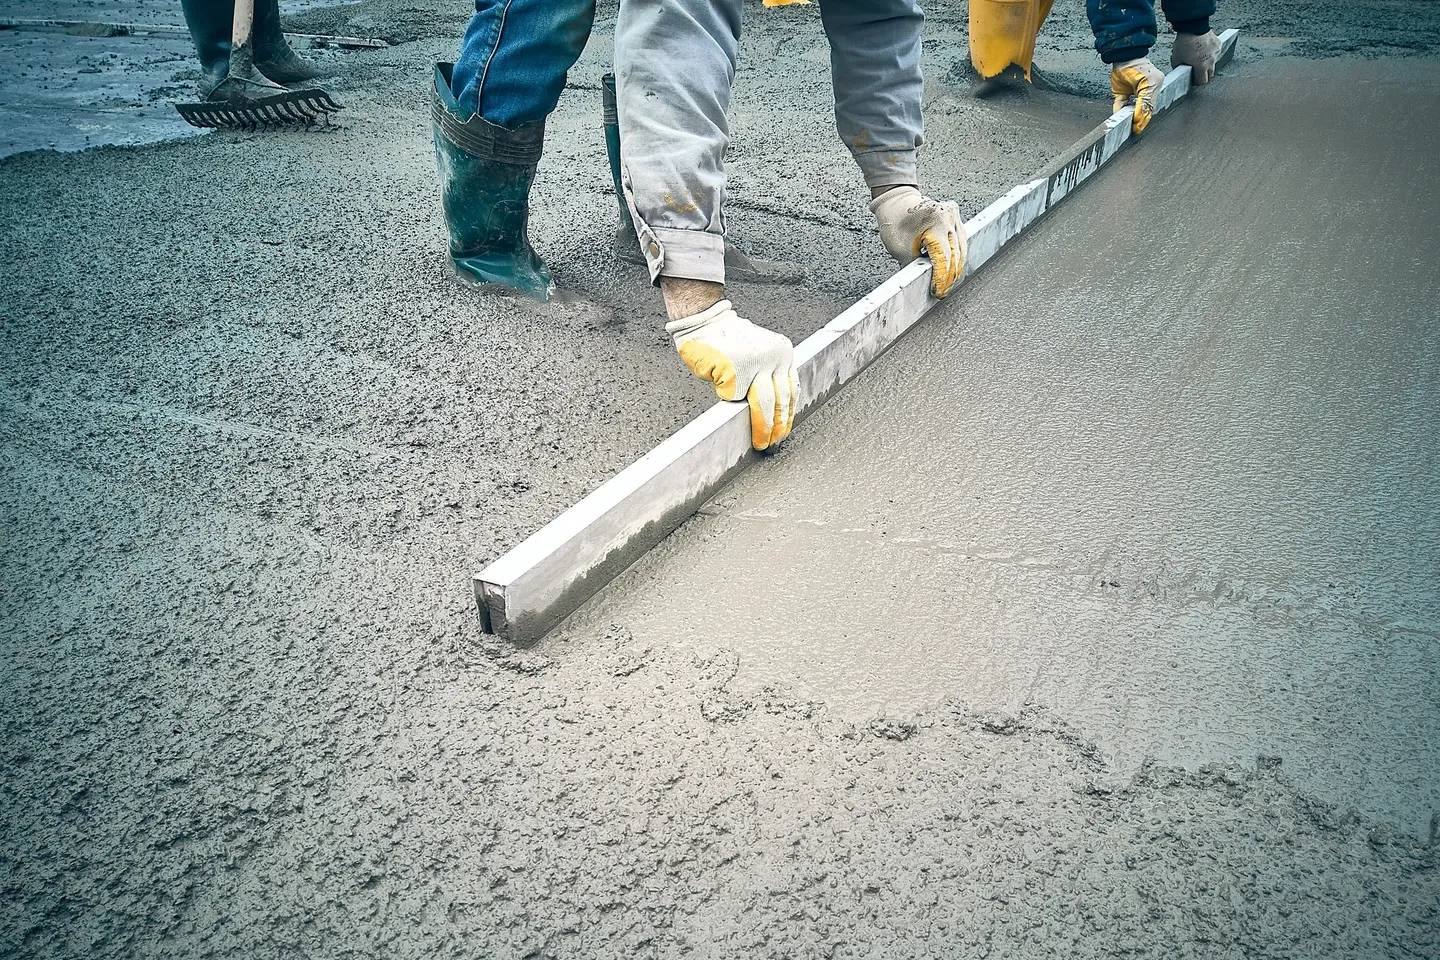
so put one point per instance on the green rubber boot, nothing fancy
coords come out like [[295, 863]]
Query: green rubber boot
[[739, 265], [485, 176], [210, 23]]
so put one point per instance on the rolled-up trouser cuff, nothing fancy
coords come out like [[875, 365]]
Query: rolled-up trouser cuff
[[691, 254], [887, 168]]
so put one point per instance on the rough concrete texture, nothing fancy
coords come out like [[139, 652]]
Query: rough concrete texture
[[254, 441]]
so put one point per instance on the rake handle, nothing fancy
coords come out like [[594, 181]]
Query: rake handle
[[240, 32]]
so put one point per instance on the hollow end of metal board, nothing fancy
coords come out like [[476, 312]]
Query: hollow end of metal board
[[532, 588]]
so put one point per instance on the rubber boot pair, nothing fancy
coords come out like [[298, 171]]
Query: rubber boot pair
[[211, 24]]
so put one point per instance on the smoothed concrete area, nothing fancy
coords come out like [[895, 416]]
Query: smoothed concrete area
[[1168, 468]]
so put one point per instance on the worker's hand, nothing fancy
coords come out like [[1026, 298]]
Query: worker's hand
[[911, 223], [1198, 52], [744, 362], [1136, 82]]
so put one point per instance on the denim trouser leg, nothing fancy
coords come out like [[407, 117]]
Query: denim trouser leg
[[512, 62], [674, 126]]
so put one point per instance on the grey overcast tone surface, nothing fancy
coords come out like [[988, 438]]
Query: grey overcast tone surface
[[1103, 617]]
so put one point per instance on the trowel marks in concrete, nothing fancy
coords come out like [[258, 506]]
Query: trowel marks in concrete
[[1169, 469]]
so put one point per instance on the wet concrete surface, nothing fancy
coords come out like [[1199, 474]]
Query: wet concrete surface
[[1168, 469], [252, 443]]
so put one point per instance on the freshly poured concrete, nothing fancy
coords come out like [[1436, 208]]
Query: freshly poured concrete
[[1168, 469], [246, 708]]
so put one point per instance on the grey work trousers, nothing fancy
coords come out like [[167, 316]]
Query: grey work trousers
[[675, 63]]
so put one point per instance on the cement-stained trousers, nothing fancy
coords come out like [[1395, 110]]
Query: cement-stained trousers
[[675, 63]]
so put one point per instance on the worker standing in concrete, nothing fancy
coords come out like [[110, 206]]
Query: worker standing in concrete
[[488, 116], [1003, 32], [675, 62], [210, 23]]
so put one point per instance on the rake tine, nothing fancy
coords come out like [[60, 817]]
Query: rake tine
[[310, 108]]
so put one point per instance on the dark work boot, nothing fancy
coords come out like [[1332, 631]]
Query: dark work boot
[[273, 56], [210, 23], [739, 265], [485, 176]]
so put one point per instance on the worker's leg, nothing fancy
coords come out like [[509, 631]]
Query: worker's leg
[[674, 64], [1124, 29], [489, 126], [513, 60], [210, 23], [875, 67], [879, 99]]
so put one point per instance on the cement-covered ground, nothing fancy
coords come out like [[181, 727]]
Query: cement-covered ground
[[254, 441]]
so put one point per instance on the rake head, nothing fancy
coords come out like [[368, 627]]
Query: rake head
[[290, 108]]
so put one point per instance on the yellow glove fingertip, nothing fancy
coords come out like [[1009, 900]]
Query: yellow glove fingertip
[[942, 274], [759, 429]]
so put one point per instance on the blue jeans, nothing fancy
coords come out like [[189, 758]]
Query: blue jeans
[[1125, 29], [512, 62]]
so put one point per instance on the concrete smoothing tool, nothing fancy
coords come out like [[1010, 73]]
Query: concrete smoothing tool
[[246, 99], [532, 588]]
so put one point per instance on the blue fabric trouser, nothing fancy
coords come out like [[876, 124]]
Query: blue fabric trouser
[[512, 63], [1126, 29]]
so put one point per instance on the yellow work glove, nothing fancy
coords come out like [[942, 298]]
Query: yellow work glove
[[911, 223], [1198, 51], [744, 362], [1136, 82]]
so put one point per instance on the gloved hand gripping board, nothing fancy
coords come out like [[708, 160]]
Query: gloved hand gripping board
[[529, 590]]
